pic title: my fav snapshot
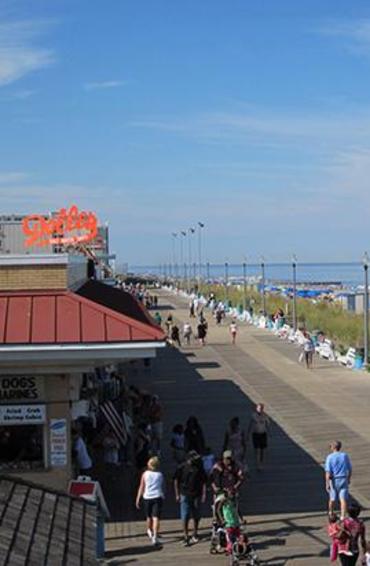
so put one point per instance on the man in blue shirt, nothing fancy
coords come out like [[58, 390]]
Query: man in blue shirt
[[338, 471]]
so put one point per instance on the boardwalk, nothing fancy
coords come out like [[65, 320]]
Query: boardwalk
[[285, 503]]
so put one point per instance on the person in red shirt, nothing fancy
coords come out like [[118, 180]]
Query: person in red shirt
[[227, 474], [349, 536]]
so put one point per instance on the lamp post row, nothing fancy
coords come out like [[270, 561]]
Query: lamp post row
[[190, 272], [191, 269]]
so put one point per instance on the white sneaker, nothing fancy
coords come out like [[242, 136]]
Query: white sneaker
[[150, 534]]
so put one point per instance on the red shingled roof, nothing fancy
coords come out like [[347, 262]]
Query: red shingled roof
[[63, 317]]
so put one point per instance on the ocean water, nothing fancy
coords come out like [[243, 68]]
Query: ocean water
[[348, 274]]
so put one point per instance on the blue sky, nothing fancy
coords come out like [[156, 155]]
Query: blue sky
[[253, 117]]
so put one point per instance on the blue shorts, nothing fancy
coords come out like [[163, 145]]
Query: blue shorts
[[338, 489], [189, 508]]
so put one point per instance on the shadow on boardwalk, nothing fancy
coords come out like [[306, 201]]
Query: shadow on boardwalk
[[292, 482], [290, 485]]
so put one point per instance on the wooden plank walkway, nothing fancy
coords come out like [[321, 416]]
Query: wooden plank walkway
[[285, 503]]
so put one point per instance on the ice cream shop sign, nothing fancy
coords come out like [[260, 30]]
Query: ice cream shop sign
[[66, 227]]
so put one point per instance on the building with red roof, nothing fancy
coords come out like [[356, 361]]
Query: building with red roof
[[55, 327]]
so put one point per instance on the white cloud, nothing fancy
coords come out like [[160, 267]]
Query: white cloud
[[104, 85], [19, 55], [357, 34], [24, 94], [312, 132], [11, 177]]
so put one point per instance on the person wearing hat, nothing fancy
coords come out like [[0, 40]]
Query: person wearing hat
[[190, 483], [227, 474]]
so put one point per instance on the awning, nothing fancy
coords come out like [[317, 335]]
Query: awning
[[63, 327]]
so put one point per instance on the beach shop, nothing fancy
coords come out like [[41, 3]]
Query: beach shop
[[57, 327]]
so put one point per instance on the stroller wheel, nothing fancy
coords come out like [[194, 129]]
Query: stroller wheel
[[212, 550]]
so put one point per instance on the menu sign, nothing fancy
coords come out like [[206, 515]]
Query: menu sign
[[21, 389], [22, 414], [58, 442]]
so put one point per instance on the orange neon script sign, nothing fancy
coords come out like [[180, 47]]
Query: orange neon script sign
[[68, 226]]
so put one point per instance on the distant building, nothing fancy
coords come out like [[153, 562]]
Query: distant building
[[12, 237], [353, 302]]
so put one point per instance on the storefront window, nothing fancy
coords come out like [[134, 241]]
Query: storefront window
[[21, 447]]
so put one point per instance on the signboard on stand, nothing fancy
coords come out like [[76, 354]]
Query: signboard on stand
[[58, 443]]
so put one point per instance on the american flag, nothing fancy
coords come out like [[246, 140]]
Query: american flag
[[115, 421]]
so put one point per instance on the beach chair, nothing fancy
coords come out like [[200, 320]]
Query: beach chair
[[348, 359], [284, 332], [325, 349], [297, 337]]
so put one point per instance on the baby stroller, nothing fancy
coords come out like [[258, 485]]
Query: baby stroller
[[242, 551], [218, 538]]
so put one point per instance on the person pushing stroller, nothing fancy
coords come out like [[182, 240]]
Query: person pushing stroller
[[226, 514]]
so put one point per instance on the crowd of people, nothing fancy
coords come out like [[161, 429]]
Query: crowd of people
[[198, 471], [141, 293], [131, 444], [199, 475], [178, 336]]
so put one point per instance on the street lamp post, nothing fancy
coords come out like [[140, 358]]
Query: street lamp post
[[208, 272], [182, 261], [190, 232], [226, 283], [366, 309], [244, 285], [294, 267], [200, 227], [174, 255], [263, 285]]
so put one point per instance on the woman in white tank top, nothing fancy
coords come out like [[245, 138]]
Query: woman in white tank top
[[151, 489]]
